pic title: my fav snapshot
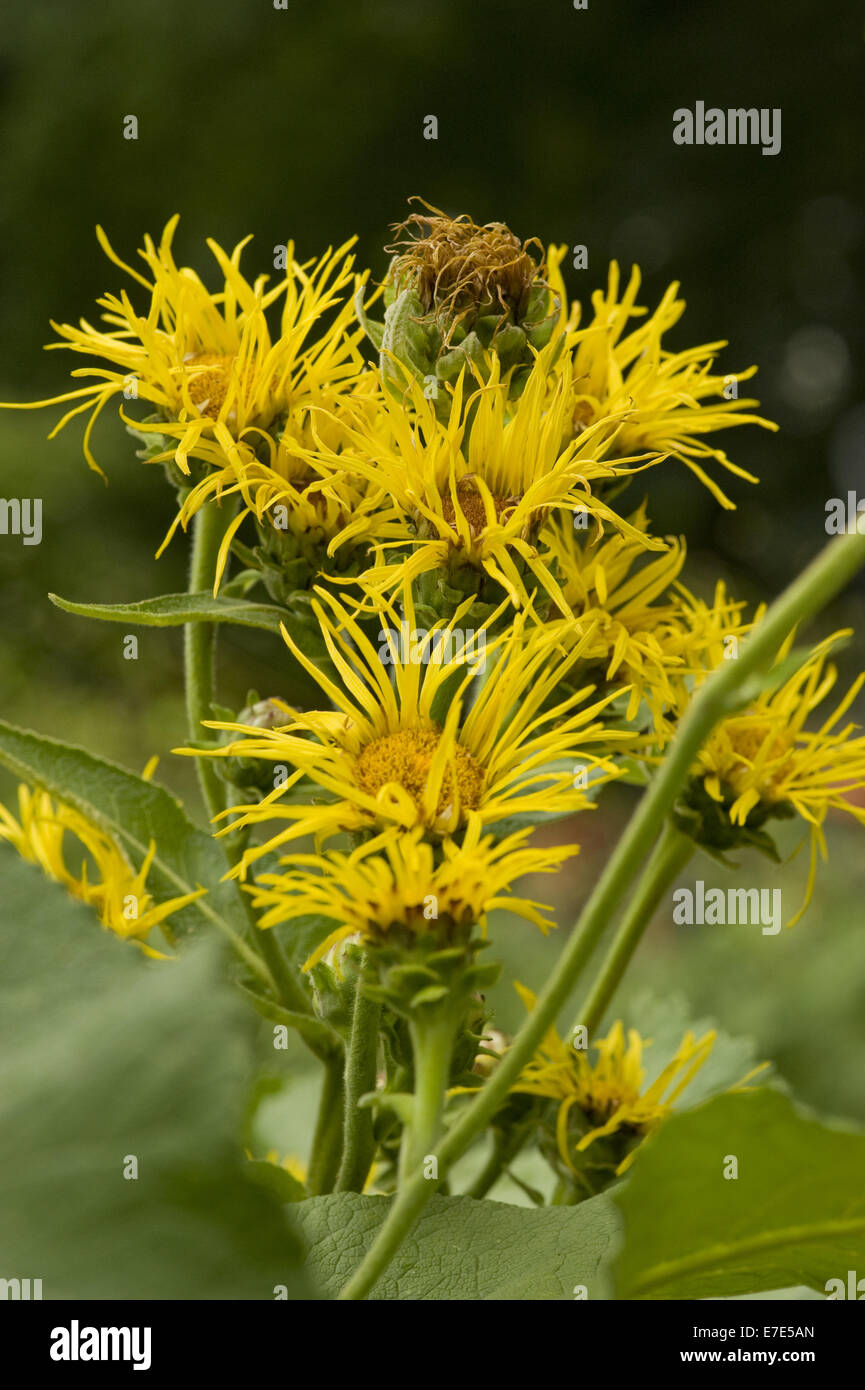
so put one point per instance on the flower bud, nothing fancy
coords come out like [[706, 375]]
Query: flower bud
[[454, 292]]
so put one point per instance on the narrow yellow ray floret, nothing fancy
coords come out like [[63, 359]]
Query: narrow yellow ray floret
[[674, 399], [649, 632], [406, 885], [207, 362], [388, 758], [610, 1093], [476, 490], [291, 489], [111, 886], [765, 760]]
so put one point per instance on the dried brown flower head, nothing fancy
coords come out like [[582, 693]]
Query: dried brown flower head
[[456, 267]]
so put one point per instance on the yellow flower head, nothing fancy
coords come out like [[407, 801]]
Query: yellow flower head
[[764, 762], [405, 886], [608, 1097], [445, 730], [476, 490], [303, 506], [649, 632], [207, 361], [674, 398], [110, 884]]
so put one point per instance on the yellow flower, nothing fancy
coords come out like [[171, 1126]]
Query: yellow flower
[[206, 361], [463, 734], [405, 885], [117, 891], [673, 398], [649, 632], [476, 490], [293, 494], [609, 1094], [764, 762]]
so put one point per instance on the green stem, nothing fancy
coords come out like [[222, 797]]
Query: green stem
[[199, 645], [199, 669], [432, 1043], [358, 1149], [670, 856], [327, 1141], [289, 992], [199, 657], [505, 1149], [432, 1036], [812, 590]]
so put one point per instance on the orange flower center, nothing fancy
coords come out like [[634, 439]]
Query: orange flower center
[[405, 758], [471, 506], [210, 379]]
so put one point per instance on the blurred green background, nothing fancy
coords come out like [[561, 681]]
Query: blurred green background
[[307, 123]]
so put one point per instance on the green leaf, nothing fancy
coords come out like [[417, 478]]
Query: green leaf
[[106, 1057], [374, 331], [462, 1248], [284, 1186], [172, 610], [794, 1215], [405, 338], [134, 813], [313, 1029]]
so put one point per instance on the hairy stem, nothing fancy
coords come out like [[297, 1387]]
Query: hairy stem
[[327, 1141], [199, 646], [812, 590], [358, 1149]]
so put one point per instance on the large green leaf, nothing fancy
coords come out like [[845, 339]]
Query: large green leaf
[[135, 813], [462, 1248], [172, 610], [794, 1215], [107, 1057]]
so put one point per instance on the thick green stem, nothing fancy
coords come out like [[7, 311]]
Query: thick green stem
[[815, 587], [199, 645], [358, 1148], [432, 1044], [432, 1035], [327, 1141], [670, 856]]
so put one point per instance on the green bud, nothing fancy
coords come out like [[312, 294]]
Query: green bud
[[456, 291]]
